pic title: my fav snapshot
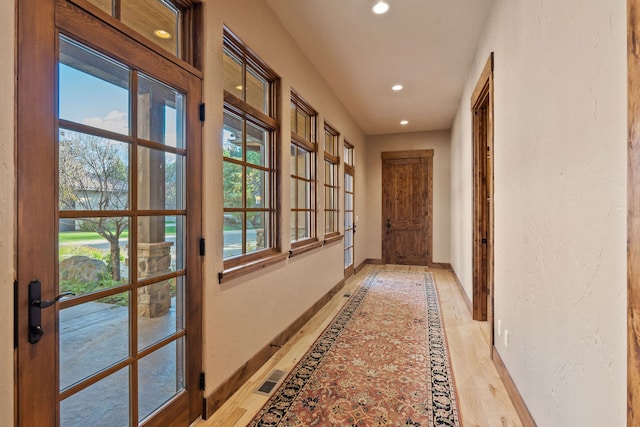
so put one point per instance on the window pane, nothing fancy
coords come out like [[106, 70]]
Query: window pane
[[88, 407], [294, 226], [232, 74], [294, 164], [232, 137], [158, 386], [233, 189], [294, 193], [303, 225], [160, 245], [302, 125], [348, 202], [257, 91], [92, 253], [154, 19], [257, 144], [160, 324], [257, 233], [329, 200], [105, 5], [84, 347], [303, 195], [93, 172], [304, 161], [233, 222], [94, 90], [164, 174], [256, 189], [160, 113], [329, 222]]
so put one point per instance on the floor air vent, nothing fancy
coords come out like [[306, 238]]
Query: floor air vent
[[271, 382]]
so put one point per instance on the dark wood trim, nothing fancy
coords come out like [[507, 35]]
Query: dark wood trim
[[483, 151], [407, 154], [249, 112], [250, 267], [216, 399], [462, 292], [332, 239], [513, 392], [299, 250], [441, 265], [36, 70], [633, 218]]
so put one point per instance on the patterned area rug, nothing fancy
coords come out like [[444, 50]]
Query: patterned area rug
[[382, 361]]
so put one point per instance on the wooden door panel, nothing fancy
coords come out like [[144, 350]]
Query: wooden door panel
[[407, 207]]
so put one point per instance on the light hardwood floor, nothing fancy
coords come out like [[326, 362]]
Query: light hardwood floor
[[482, 398]]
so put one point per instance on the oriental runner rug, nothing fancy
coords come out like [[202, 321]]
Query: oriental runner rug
[[383, 361]]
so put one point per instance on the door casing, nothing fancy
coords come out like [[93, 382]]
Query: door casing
[[483, 202]]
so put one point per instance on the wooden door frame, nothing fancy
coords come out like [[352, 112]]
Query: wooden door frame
[[36, 121], [483, 203], [427, 155], [633, 219]]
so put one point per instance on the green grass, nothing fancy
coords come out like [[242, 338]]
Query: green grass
[[76, 236]]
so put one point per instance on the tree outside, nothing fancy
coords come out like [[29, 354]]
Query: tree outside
[[94, 175]]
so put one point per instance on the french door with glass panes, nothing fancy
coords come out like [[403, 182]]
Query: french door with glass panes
[[104, 161], [349, 221]]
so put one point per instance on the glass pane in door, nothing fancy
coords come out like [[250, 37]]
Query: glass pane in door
[[121, 241]]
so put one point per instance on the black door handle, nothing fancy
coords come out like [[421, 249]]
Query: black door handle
[[35, 305], [388, 223]]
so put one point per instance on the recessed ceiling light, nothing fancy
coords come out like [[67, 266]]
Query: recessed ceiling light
[[162, 34], [404, 122], [380, 8], [396, 87]]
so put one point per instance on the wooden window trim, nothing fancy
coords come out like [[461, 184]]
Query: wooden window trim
[[191, 58], [249, 266], [311, 146], [333, 237], [350, 147], [246, 263], [304, 246]]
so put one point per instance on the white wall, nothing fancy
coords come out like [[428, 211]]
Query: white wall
[[439, 141], [242, 316], [560, 203], [7, 213]]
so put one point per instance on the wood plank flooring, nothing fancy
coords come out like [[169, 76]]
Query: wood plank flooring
[[482, 398]]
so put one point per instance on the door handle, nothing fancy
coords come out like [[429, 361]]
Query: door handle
[[36, 304], [388, 223]]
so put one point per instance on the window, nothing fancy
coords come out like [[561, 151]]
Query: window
[[348, 154], [160, 21], [303, 163], [248, 146], [331, 165]]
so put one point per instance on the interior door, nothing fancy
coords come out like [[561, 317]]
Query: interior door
[[108, 269], [406, 207]]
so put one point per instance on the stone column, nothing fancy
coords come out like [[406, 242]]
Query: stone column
[[154, 259]]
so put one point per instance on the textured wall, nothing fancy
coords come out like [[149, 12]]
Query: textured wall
[[439, 142], [7, 212], [560, 203]]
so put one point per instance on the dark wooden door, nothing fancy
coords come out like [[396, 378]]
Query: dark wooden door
[[407, 207]]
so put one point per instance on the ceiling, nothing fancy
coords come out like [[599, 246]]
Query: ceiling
[[425, 45]]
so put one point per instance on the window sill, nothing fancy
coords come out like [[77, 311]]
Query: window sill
[[306, 248], [250, 267], [331, 239]]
